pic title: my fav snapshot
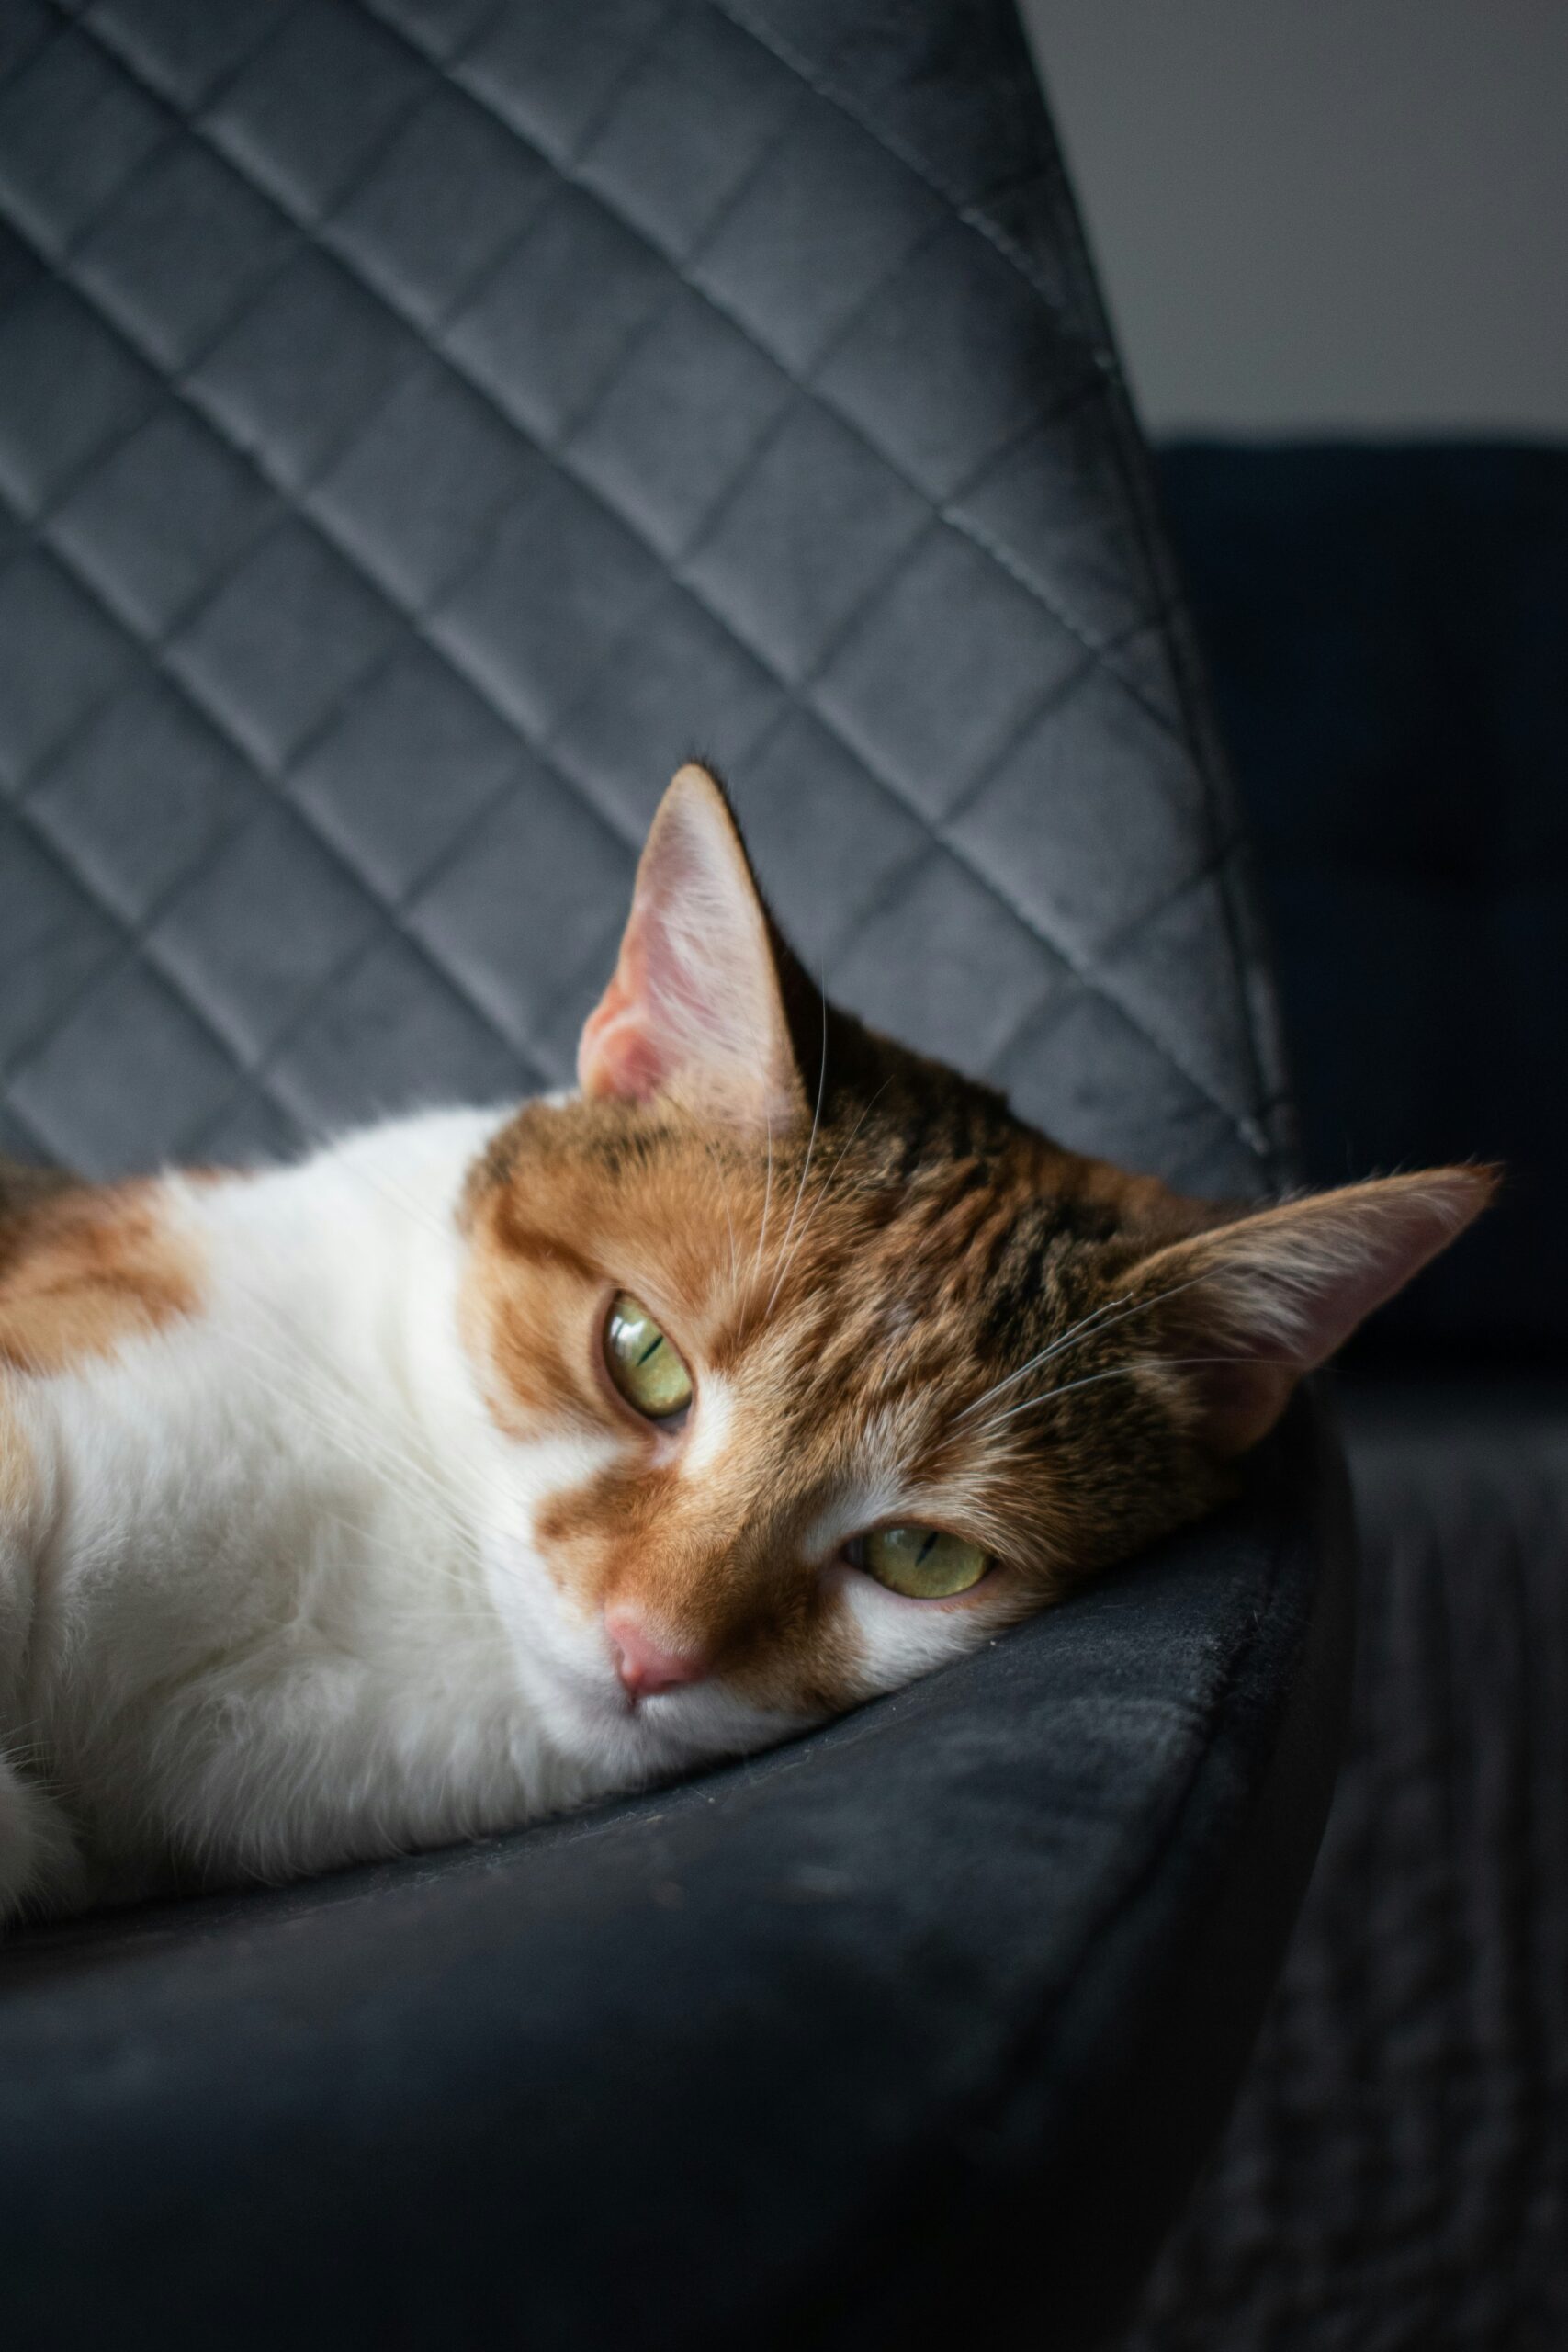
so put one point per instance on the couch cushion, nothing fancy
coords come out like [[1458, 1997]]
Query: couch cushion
[[888, 2037], [420, 427]]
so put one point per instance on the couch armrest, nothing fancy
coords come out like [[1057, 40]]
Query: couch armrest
[[922, 2021]]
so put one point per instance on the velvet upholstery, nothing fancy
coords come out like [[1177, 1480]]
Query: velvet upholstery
[[420, 425], [825, 2048]]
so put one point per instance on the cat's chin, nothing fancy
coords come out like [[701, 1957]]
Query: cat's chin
[[655, 1738]]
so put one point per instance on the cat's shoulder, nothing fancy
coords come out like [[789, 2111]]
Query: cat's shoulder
[[84, 1266], [25, 1190]]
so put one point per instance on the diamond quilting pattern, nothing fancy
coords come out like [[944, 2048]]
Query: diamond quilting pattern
[[183, 251], [688, 127], [59, 655], [405, 770], [421, 427], [71, 387], [52, 938], [169, 510], [141, 795], [312, 106], [182, 49], [72, 130]]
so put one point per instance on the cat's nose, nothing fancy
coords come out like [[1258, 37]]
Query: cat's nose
[[644, 1665]]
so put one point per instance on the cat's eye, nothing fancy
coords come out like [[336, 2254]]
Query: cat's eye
[[922, 1563], [643, 1362]]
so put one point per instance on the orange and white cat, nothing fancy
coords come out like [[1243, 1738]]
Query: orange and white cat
[[494, 1460]]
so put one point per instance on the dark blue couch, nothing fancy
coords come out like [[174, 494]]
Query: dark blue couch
[[1388, 633]]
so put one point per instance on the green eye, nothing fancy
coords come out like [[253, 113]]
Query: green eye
[[922, 1563], [642, 1363]]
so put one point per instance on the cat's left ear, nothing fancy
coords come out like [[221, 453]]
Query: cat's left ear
[[1246, 1309], [696, 1009]]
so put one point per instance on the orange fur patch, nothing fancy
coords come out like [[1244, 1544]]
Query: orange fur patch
[[82, 1268]]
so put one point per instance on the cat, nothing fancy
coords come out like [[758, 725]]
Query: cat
[[492, 1461]]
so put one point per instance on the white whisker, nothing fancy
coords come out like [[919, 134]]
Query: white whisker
[[1125, 1371], [832, 1172], [767, 1202], [806, 1165], [729, 1221], [1064, 1339], [1089, 1326]]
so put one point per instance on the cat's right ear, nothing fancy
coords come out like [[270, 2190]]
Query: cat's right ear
[[694, 1010], [1249, 1307]]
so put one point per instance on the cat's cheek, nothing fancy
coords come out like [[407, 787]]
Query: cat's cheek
[[552, 1646], [897, 1640], [543, 1586]]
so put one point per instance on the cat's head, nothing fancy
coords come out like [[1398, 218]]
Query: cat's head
[[822, 1366]]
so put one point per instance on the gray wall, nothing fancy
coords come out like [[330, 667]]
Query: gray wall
[[1325, 215]]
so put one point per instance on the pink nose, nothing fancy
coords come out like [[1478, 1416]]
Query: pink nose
[[645, 1667]]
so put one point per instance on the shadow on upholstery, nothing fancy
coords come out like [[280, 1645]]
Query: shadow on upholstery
[[1388, 634]]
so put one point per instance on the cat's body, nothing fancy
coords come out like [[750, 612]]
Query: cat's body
[[338, 1515], [244, 1625]]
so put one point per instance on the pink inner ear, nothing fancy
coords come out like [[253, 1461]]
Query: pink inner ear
[[1277, 1294], [693, 1011], [645, 1027], [618, 1055], [617, 1058], [1242, 1399]]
